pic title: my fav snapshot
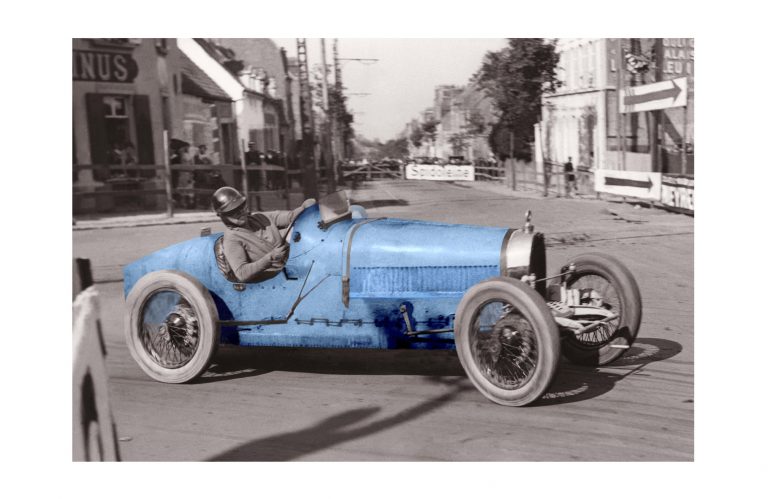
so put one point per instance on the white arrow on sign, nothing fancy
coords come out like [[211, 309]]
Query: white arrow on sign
[[659, 95]]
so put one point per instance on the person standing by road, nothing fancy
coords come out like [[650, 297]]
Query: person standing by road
[[253, 245], [570, 178]]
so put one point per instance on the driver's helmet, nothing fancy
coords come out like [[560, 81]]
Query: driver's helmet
[[226, 199]]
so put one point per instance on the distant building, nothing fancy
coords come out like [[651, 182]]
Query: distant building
[[465, 117]]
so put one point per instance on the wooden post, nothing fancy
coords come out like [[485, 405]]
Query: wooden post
[[245, 175], [168, 178], [286, 182], [619, 88], [684, 159], [512, 160]]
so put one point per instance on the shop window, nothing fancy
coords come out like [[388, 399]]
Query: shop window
[[117, 121], [119, 129]]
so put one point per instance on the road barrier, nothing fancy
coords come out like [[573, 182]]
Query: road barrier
[[94, 434], [373, 171]]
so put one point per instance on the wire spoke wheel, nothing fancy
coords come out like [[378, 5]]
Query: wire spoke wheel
[[503, 345], [597, 291], [169, 329], [171, 326], [507, 341], [603, 282]]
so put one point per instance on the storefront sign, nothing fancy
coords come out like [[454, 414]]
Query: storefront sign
[[643, 185], [439, 172], [91, 65], [677, 192], [676, 57]]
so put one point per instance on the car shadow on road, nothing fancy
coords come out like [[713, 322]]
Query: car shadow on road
[[575, 383], [242, 362], [337, 429]]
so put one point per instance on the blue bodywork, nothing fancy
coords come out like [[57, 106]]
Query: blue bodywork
[[425, 266]]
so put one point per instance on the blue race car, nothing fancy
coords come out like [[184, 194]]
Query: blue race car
[[358, 282]]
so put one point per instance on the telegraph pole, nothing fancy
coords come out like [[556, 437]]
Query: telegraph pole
[[308, 154], [342, 147], [619, 88], [656, 116], [328, 125], [337, 132]]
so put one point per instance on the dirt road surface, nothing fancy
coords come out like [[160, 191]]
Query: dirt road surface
[[337, 405]]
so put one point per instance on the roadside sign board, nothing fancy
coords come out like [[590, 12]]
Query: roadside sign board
[[439, 172], [677, 192], [659, 95], [643, 185]]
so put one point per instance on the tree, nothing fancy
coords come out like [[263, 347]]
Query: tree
[[459, 142], [417, 136], [516, 77], [429, 128], [344, 119], [475, 123], [394, 148]]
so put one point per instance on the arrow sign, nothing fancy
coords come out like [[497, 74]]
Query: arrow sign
[[659, 95], [644, 185], [626, 182]]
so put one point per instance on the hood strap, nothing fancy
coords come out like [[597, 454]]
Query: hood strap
[[348, 263]]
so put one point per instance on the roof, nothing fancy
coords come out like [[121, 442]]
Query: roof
[[195, 82]]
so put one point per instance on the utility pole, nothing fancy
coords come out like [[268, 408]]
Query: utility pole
[[619, 88], [656, 116], [328, 125], [343, 147], [308, 154], [339, 144]]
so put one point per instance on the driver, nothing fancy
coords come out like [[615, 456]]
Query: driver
[[253, 245]]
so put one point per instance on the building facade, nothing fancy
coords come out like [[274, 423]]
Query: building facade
[[125, 93], [263, 68], [207, 115], [582, 119]]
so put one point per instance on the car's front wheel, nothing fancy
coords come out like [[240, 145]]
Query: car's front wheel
[[603, 282], [507, 341], [171, 326]]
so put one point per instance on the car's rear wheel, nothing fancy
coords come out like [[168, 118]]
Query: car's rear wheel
[[171, 326], [603, 278], [507, 341]]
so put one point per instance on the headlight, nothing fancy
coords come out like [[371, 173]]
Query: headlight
[[522, 254]]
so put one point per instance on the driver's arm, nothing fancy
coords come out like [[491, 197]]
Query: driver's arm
[[284, 218], [244, 269]]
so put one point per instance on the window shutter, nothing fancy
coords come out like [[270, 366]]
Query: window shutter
[[144, 144], [96, 128]]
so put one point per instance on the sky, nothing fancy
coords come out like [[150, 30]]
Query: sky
[[401, 82]]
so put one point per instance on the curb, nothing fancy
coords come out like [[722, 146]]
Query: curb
[[144, 221]]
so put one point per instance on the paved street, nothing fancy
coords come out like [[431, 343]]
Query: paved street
[[334, 405]]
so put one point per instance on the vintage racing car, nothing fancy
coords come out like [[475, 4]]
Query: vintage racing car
[[357, 282]]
